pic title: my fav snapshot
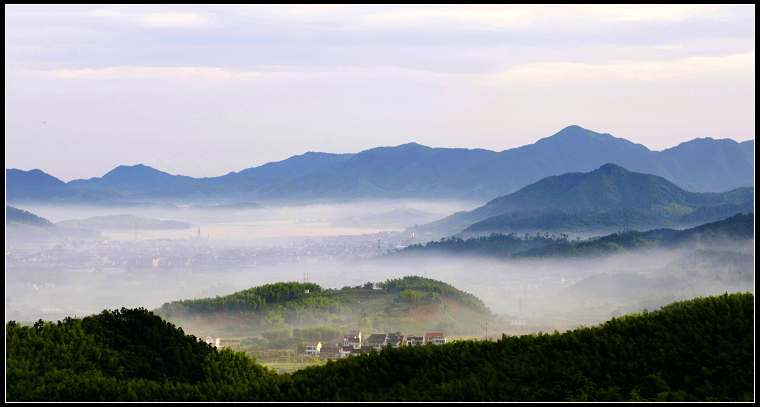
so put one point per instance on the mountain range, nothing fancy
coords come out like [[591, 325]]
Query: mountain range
[[405, 171]]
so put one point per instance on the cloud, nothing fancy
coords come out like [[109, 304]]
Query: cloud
[[556, 73], [514, 16], [493, 15], [191, 75], [147, 72], [152, 19], [644, 12], [170, 19], [581, 72]]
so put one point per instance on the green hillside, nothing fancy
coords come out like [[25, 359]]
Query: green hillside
[[697, 350], [283, 310]]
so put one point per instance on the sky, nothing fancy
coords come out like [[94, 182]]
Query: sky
[[207, 90]]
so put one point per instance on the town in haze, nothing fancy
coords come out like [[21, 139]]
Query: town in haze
[[380, 203]]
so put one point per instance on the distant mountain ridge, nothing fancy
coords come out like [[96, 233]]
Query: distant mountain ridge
[[609, 187], [407, 171], [15, 217], [734, 229], [609, 197], [22, 227]]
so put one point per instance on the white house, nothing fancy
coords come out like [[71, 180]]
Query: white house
[[313, 348]]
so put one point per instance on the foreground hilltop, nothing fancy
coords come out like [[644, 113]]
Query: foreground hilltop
[[698, 350]]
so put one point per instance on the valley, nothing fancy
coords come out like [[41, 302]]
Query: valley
[[273, 282]]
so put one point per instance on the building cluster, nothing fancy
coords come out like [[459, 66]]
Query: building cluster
[[354, 344]]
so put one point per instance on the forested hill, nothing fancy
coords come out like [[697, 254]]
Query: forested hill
[[497, 244], [409, 304], [738, 227], [697, 350], [252, 299], [609, 197]]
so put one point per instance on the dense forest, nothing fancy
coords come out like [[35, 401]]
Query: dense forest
[[696, 350], [246, 300], [496, 244]]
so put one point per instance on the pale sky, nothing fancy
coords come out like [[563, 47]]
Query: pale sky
[[206, 90]]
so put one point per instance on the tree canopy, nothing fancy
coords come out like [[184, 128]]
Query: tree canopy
[[696, 350]]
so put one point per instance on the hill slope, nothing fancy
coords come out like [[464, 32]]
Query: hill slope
[[698, 350], [287, 305]]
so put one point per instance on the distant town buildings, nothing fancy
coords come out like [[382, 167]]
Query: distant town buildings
[[198, 251]]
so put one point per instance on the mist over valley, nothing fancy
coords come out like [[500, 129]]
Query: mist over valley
[[380, 203], [273, 277]]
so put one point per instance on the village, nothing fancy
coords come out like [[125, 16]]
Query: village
[[353, 344]]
